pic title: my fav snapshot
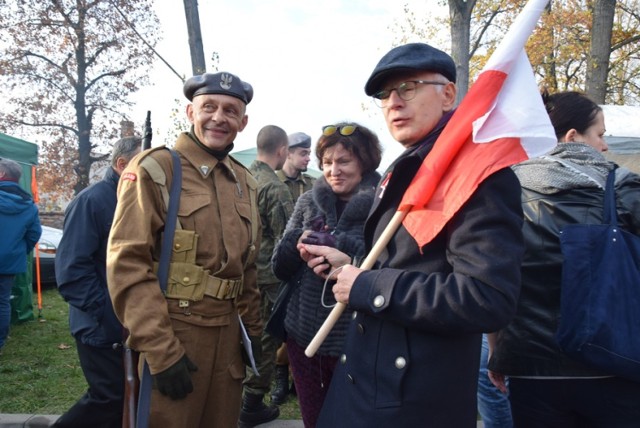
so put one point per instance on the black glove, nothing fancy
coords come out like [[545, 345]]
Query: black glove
[[256, 348], [320, 238], [176, 380]]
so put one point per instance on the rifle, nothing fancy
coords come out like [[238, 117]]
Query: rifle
[[131, 384], [131, 357], [148, 132]]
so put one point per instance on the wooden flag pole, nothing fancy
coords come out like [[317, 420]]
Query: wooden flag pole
[[368, 263]]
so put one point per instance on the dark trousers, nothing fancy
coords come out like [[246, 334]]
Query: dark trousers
[[575, 403], [102, 404], [312, 377]]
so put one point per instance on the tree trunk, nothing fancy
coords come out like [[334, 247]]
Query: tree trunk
[[460, 14], [198, 65], [598, 65]]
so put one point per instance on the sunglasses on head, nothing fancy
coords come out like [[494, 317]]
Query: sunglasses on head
[[344, 130]]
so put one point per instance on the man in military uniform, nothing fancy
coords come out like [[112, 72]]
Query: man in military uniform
[[276, 206], [293, 171], [212, 275], [293, 175]]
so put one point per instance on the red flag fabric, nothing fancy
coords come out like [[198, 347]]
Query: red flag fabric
[[500, 122]]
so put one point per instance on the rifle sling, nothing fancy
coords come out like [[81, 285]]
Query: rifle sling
[[144, 400]]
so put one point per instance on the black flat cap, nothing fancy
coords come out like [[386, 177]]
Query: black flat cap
[[410, 57], [299, 139], [219, 83]]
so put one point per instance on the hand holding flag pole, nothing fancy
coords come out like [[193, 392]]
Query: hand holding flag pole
[[500, 122]]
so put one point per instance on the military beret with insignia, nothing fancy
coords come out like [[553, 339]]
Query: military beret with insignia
[[219, 83], [410, 57], [299, 139]]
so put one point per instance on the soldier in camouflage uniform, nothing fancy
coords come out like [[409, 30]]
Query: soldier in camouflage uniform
[[292, 174], [275, 205]]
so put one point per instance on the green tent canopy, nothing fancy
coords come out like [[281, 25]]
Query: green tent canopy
[[26, 154]]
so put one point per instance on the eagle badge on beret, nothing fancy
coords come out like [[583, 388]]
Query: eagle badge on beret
[[225, 81]]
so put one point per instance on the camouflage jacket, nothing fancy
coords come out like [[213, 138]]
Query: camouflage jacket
[[276, 206], [298, 186]]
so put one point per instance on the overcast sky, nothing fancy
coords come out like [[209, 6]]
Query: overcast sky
[[308, 61]]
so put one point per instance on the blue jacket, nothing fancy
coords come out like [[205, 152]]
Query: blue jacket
[[19, 227], [81, 264]]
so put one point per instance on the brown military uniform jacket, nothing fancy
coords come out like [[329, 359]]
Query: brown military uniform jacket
[[215, 203], [297, 187]]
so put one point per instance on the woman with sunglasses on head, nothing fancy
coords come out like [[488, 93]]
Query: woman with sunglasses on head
[[331, 214]]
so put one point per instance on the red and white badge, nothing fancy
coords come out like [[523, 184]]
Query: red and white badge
[[129, 176]]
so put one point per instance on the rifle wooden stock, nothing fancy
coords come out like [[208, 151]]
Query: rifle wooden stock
[[368, 263], [131, 387]]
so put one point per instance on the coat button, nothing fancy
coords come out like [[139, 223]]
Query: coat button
[[378, 301], [186, 279], [177, 246], [354, 315], [400, 363], [351, 379], [360, 328], [343, 358]]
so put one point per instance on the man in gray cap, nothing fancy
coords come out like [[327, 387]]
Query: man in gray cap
[[194, 326], [293, 171], [412, 352]]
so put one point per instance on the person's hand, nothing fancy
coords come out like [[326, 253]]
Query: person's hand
[[175, 381], [346, 278], [322, 260], [498, 380]]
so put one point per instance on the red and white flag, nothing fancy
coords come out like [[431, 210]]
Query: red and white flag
[[500, 122]]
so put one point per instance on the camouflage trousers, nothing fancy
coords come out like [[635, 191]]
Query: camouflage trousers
[[266, 366]]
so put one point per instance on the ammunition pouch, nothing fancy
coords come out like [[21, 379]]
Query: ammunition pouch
[[188, 281]]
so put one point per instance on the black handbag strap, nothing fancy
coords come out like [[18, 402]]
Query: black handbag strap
[[610, 213]]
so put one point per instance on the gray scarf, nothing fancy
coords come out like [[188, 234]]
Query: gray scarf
[[568, 166]]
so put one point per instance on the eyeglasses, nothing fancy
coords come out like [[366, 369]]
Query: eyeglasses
[[406, 91], [344, 130]]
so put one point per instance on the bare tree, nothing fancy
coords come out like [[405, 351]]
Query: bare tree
[[598, 67], [460, 13], [69, 67]]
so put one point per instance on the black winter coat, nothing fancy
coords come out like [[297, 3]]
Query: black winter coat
[[412, 351], [81, 264], [538, 311], [305, 313]]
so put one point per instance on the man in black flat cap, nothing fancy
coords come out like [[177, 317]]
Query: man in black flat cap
[[412, 352], [212, 274]]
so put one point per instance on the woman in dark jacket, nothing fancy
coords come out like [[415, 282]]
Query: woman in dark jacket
[[332, 214], [547, 388]]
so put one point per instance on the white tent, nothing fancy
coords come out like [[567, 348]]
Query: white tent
[[623, 135]]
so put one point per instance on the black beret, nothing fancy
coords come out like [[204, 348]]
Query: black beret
[[299, 139], [219, 83], [410, 57]]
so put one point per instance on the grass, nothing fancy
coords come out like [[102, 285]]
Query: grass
[[39, 368]]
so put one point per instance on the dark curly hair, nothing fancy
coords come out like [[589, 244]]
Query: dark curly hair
[[363, 144]]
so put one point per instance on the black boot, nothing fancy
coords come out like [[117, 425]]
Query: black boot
[[255, 412], [281, 388]]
